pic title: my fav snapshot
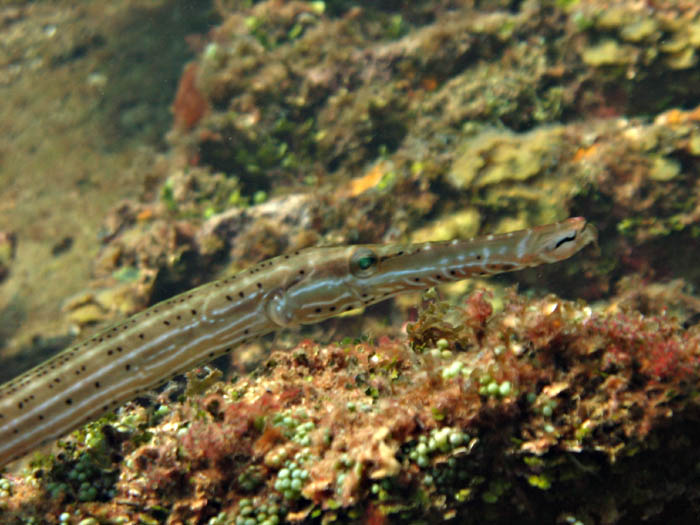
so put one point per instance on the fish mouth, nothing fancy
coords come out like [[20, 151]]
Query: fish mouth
[[589, 235]]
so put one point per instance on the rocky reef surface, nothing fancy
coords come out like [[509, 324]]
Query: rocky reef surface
[[563, 394]]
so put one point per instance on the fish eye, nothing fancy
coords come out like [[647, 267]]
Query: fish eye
[[363, 262]]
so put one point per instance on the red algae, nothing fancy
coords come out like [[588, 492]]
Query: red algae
[[478, 406], [190, 105]]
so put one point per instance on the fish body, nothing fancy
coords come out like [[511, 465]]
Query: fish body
[[97, 375]]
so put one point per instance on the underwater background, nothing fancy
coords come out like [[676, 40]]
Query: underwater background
[[151, 146]]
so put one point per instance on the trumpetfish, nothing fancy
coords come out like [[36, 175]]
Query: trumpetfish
[[99, 374]]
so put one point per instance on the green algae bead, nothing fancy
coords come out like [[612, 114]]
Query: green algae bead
[[456, 439], [452, 370], [87, 494], [441, 439], [282, 484], [505, 388], [489, 497], [259, 197]]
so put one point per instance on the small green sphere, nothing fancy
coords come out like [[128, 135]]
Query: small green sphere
[[505, 388]]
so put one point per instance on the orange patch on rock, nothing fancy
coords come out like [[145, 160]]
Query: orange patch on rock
[[145, 215], [362, 184], [674, 117], [429, 83], [583, 153]]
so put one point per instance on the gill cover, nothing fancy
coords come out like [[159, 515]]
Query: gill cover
[[279, 310]]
